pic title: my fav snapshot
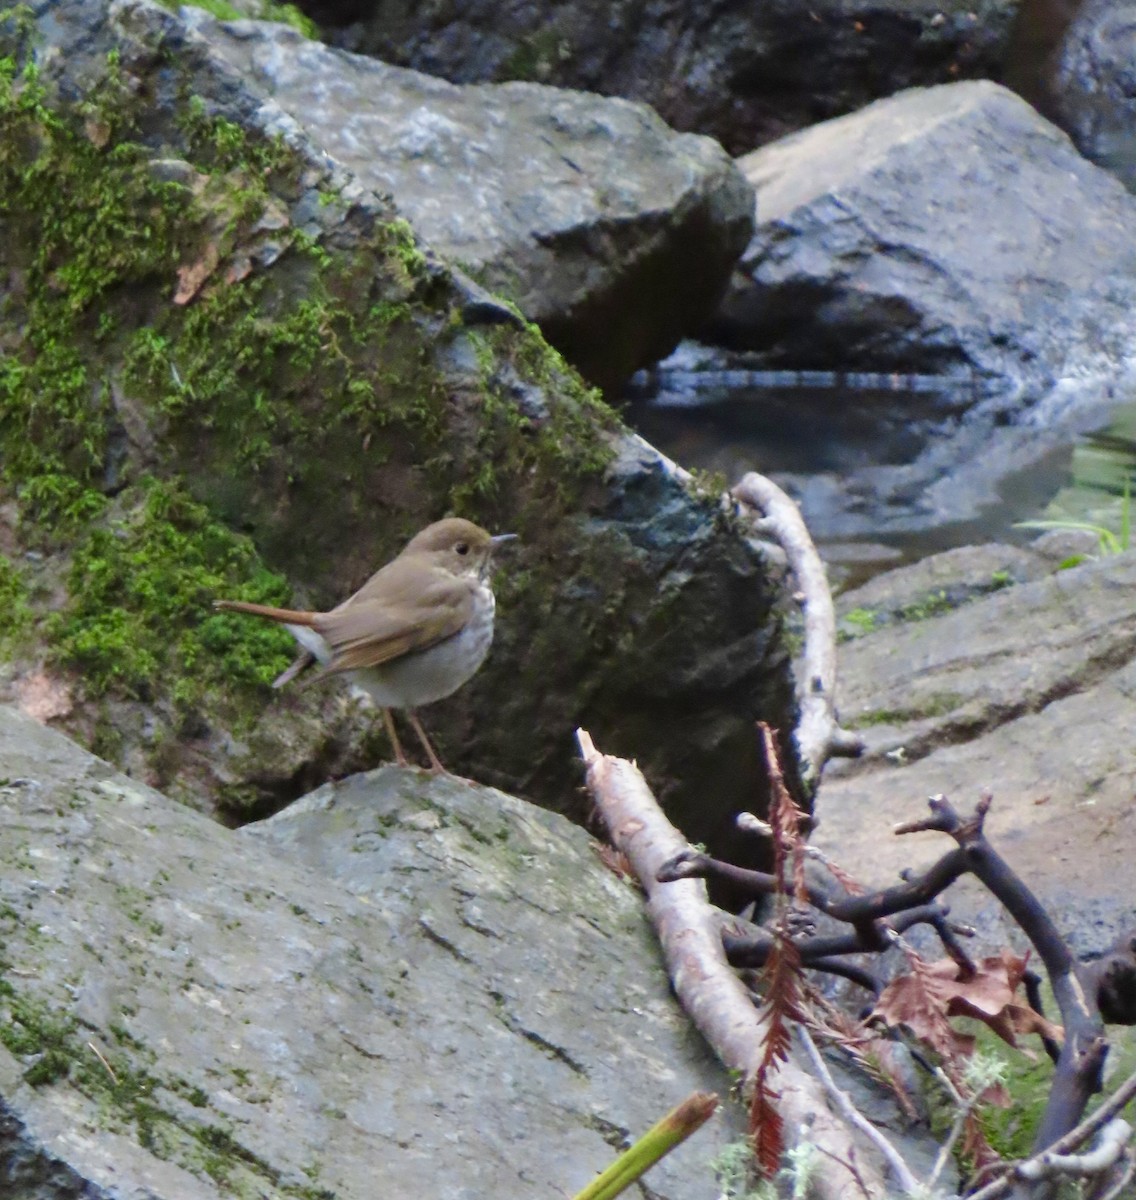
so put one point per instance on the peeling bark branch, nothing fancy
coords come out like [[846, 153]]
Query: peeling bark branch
[[819, 735], [708, 989]]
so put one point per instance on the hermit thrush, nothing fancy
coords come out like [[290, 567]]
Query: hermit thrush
[[413, 633]]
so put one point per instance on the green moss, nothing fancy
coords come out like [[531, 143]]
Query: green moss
[[15, 612], [294, 384], [536, 56], [31, 1033], [931, 605], [265, 10], [938, 704], [128, 1094], [564, 446], [856, 623], [87, 242], [141, 592]]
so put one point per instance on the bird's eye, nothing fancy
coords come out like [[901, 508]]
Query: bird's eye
[[462, 547]]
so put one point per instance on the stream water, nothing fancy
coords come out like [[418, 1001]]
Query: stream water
[[819, 441]]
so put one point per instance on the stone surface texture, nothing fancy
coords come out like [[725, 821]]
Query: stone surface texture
[[400, 986], [744, 73], [943, 229], [1093, 89], [609, 230], [1028, 692]]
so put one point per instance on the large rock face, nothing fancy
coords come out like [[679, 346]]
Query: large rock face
[[949, 229], [606, 228], [745, 73], [399, 987], [1026, 690], [232, 367]]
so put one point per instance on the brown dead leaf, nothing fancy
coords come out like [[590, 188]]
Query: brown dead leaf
[[616, 861], [924, 1000], [920, 1001], [97, 132]]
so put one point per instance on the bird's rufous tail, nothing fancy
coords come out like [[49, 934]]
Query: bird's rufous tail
[[286, 616]]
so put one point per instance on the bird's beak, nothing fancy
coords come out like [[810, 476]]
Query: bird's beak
[[500, 538]]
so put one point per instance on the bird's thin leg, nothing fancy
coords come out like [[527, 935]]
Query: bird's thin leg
[[399, 758], [435, 761]]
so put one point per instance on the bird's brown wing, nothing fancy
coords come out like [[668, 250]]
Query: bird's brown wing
[[367, 632]]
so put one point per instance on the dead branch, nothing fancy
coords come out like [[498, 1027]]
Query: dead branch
[[819, 735], [876, 915], [1081, 1061], [707, 988], [906, 904], [1114, 1137]]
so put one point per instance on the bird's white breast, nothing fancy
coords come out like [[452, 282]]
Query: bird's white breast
[[428, 675]]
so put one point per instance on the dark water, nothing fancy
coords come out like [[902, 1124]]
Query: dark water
[[815, 440]]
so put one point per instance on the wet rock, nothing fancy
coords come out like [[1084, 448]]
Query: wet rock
[[944, 230], [610, 231], [1027, 692], [400, 986], [743, 73], [952, 232]]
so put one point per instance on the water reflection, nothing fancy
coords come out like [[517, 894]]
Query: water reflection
[[829, 445], [1103, 477]]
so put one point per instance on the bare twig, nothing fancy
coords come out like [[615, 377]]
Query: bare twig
[[963, 1107], [1110, 1145], [819, 735], [1108, 1108], [852, 1114], [102, 1058]]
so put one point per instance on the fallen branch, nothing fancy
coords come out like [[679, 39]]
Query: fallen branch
[[819, 735], [715, 999], [1114, 1137]]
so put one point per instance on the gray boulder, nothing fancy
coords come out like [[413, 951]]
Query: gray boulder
[[949, 229], [951, 233], [744, 73], [401, 986], [610, 231], [1093, 90]]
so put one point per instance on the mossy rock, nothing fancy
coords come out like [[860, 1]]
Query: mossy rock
[[229, 369]]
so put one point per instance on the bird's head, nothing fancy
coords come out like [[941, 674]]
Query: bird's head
[[458, 545]]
